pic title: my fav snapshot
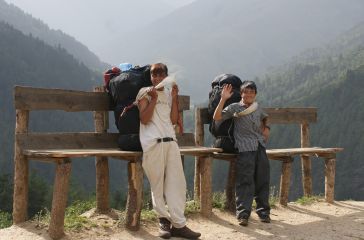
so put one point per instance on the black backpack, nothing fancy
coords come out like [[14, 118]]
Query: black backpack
[[123, 90], [223, 131]]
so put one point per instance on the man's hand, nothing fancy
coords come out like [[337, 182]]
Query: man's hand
[[226, 92], [152, 92]]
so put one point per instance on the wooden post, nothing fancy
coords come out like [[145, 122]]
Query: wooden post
[[230, 187], [330, 178], [135, 195], [285, 181], [199, 141], [305, 161], [21, 171], [206, 186], [102, 164], [59, 202], [179, 130]]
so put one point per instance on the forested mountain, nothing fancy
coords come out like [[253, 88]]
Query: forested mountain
[[94, 22], [35, 27], [25, 60], [331, 79], [210, 37]]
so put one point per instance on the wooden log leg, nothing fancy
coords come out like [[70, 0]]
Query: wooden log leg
[[21, 171], [306, 175], [102, 185], [21, 188], [59, 202], [305, 161], [330, 179], [197, 179], [135, 195], [230, 187], [285, 181], [206, 187]]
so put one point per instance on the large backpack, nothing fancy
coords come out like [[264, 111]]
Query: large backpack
[[123, 90], [223, 131]]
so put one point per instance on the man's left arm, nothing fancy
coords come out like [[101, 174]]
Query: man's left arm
[[174, 108], [265, 128]]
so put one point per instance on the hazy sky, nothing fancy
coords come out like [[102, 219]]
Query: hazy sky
[[90, 20]]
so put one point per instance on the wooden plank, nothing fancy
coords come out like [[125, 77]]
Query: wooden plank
[[28, 98], [59, 201], [204, 116], [183, 103], [198, 151], [87, 140], [83, 140], [108, 152], [185, 139], [21, 171], [280, 154], [63, 153], [278, 115], [291, 115]]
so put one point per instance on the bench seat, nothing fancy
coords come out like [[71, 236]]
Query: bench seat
[[109, 152], [280, 154]]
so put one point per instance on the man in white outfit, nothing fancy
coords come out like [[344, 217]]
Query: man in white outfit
[[161, 156]]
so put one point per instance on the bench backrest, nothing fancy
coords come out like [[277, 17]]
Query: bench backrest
[[28, 99], [302, 116]]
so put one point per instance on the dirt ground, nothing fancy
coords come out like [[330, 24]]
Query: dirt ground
[[342, 220]]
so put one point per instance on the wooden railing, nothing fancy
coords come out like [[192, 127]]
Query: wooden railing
[[61, 147]]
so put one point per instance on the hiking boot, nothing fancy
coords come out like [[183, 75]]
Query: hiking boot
[[184, 232], [164, 228], [243, 220], [264, 217]]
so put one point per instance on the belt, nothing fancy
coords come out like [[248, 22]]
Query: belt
[[166, 139]]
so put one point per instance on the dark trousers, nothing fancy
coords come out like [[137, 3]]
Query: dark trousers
[[252, 181]]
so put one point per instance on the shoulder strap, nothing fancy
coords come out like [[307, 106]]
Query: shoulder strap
[[247, 111]]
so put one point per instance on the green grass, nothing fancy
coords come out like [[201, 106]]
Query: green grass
[[5, 220], [148, 215], [273, 197], [218, 200], [73, 219], [192, 207], [308, 200]]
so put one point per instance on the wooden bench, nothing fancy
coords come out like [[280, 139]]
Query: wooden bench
[[301, 116], [61, 147]]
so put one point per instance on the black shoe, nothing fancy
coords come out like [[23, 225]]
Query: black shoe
[[264, 217], [243, 220], [184, 232], [164, 228]]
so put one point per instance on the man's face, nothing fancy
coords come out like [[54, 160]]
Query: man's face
[[248, 95], [157, 77]]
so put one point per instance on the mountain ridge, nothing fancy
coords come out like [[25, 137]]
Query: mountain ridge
[[27, 24]]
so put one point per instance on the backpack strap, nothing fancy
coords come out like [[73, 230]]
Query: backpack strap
[[247, 111]]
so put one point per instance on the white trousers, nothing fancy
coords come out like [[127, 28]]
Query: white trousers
[[162, 165]]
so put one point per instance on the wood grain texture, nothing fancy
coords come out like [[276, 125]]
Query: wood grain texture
[[276, 115], [29, 98]]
